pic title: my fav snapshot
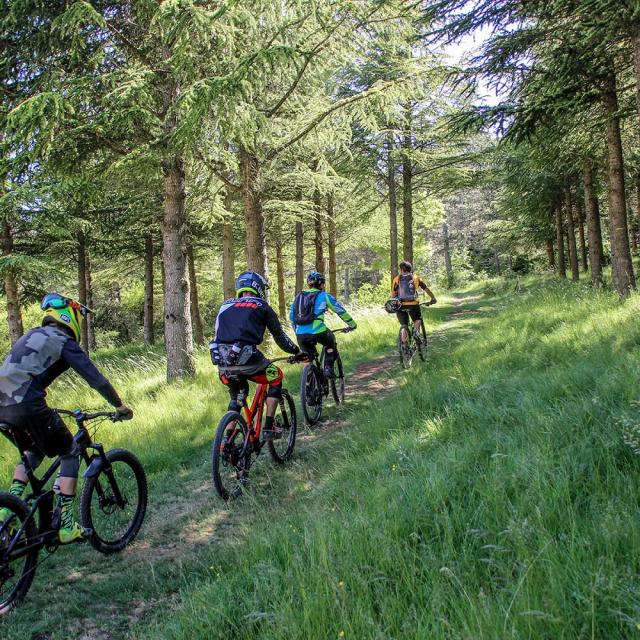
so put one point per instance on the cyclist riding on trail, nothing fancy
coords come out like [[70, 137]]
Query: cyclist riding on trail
[[405, 289], [240, 328], [34, 362], [307, 316]]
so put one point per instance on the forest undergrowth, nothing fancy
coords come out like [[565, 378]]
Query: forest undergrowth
[[491, 493]]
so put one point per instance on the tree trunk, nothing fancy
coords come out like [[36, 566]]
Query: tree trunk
[[148, 291], [571, 235], [562, 272], [299, 256], [14, 313], [178, 335], [393, 206], [581, 234], [91, 328], [637, 204], [594, 231], [635, 38], [620, 252], [228, 250], [447, 254], [282, 303], [551, 258], [346, 293], [333, 239], [317, 204], [82, 283], [256, 249], [496, 257], [228, 261], [407, 201], [194, 304]]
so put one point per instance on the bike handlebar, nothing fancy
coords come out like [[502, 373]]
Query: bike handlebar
[[343, 330], [82, 416]]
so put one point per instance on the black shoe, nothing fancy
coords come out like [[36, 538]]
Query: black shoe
[[268, 434]]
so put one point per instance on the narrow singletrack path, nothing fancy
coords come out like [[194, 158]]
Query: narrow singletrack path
[[180, 529]]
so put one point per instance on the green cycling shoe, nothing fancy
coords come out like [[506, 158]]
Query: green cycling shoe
[[74, 533]]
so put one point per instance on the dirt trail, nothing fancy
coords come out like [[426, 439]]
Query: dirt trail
[[203, 521]]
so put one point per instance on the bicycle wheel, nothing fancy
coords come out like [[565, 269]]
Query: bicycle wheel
[[115, 526], [337, 384], [229, 456], [311, 394], [422, 343], [286, 426], [18, 567]]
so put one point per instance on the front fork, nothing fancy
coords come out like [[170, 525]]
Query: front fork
[[99, 463]]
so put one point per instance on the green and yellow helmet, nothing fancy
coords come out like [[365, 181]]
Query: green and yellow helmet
[[64, 311]]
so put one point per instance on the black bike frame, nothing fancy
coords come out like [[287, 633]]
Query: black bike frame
[[82, 440]]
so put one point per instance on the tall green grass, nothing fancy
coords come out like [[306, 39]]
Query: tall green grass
[[491, 495], [78, 591]]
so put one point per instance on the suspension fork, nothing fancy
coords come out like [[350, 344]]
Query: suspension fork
[[97, 464]]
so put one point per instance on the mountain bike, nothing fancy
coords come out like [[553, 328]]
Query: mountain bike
[[416, 342], [315, 386], [238, 442], [113, 503]]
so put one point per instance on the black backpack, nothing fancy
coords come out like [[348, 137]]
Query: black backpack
[[303, 306]]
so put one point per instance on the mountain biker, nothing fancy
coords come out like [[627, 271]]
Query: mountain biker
[[239, 329], [405, 288], [33, 363], [307, 315]]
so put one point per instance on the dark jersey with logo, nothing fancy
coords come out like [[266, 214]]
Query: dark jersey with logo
[[244, 321], [38, 358]]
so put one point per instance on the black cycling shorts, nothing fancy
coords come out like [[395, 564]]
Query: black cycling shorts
[[38, 428], [410, 311], [308, 341]]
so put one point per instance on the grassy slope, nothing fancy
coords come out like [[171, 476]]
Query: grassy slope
[[491, 497], [82, 592]]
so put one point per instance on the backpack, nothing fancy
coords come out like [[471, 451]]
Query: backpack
[[407, 287], [303, 307], [230, 355]]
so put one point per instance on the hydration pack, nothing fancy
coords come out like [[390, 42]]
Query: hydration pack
[[407, 287], [230, 355], [303, 307]]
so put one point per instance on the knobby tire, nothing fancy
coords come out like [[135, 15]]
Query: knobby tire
[[230, 461], [23, 569], [337, 384], [286, 427], [311, 394], [114, 526]]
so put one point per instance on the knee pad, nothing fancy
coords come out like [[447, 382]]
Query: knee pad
[[274, 392], [70, 465]]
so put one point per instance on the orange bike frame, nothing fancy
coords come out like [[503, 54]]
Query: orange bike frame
[[256, 409]]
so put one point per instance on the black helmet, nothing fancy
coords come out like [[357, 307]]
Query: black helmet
[[393, 305], [315, 277], [253, 282]]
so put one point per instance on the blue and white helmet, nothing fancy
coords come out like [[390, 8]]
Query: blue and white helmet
[[315, 278], [253, 282]]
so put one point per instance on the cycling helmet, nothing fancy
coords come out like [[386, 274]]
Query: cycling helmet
[[253, 282], [64, 311], [393, 305], [315, 278]]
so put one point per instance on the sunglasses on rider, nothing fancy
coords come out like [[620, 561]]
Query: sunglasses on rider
[[56, 301]]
